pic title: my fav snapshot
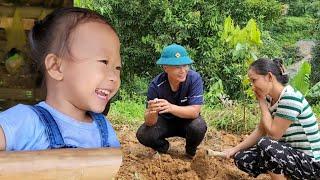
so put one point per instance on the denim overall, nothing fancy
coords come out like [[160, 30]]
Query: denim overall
[[53, 132]]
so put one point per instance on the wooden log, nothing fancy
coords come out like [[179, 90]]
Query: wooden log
[[6, 22], [101, 163], [24, 11], [45, 3], [20, 94]]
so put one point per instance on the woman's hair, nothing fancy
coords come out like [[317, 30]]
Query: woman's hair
[[52, 34], [263, 66]]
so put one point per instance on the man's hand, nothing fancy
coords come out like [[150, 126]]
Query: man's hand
[[164, 106], [160, 106], [151, 113], [153, 106]]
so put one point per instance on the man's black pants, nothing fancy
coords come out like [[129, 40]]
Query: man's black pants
[[154, 136]]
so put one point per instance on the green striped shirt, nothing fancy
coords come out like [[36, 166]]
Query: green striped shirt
[[303, 134]]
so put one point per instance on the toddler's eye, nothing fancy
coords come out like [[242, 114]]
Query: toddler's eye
[[119, 68], [104, 61]]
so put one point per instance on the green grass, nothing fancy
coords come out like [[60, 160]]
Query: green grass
[[232, 118], [126, 113], [229, 119]]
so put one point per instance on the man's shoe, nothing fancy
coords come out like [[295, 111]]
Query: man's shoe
[[189, 156], [191, 152]]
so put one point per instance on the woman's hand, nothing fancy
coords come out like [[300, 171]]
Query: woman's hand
[[230, 152], [260, 95]]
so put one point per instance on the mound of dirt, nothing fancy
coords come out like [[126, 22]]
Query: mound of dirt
[[140, 162], [215, 167]]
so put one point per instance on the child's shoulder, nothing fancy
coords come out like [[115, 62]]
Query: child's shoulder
[[20, 111], [19, 116], [22, 128]]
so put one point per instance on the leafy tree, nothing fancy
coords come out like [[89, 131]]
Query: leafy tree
[[146, 26]]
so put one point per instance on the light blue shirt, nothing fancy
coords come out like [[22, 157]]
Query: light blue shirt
[[23, 130]]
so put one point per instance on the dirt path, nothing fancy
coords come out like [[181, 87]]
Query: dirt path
[[140, 162]]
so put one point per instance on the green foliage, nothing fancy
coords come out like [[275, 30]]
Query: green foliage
[[134, 90], [303, 7], [297, 8], [290, 54], [301, 80], [222, 52], [235, 36], [231, 118], [264, 11], [313, 8], [315, 91], [315, 63], [83, 3], [290, 29], [146, 26], [244, 44], [215, 92], [270, 48], [316, 110]]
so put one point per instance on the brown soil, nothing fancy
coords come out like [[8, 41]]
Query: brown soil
[[140, 162]]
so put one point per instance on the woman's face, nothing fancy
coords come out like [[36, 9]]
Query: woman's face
[[92, 68], [261, 84]]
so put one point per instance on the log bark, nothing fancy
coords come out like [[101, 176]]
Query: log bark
[[20, 94], [6, 22], [100, 163], [24, 11]]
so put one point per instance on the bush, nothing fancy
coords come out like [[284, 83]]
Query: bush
[[303, 7], [313, 8], [315, 64], [270, 48], [288, 30]]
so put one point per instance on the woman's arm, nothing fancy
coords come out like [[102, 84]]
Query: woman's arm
[[274, 127], [250, 141]]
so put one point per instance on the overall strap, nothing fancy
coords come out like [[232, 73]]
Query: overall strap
[[52, 129], [103, 128]]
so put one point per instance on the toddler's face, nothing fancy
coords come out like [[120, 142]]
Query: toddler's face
[[92, 70]]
